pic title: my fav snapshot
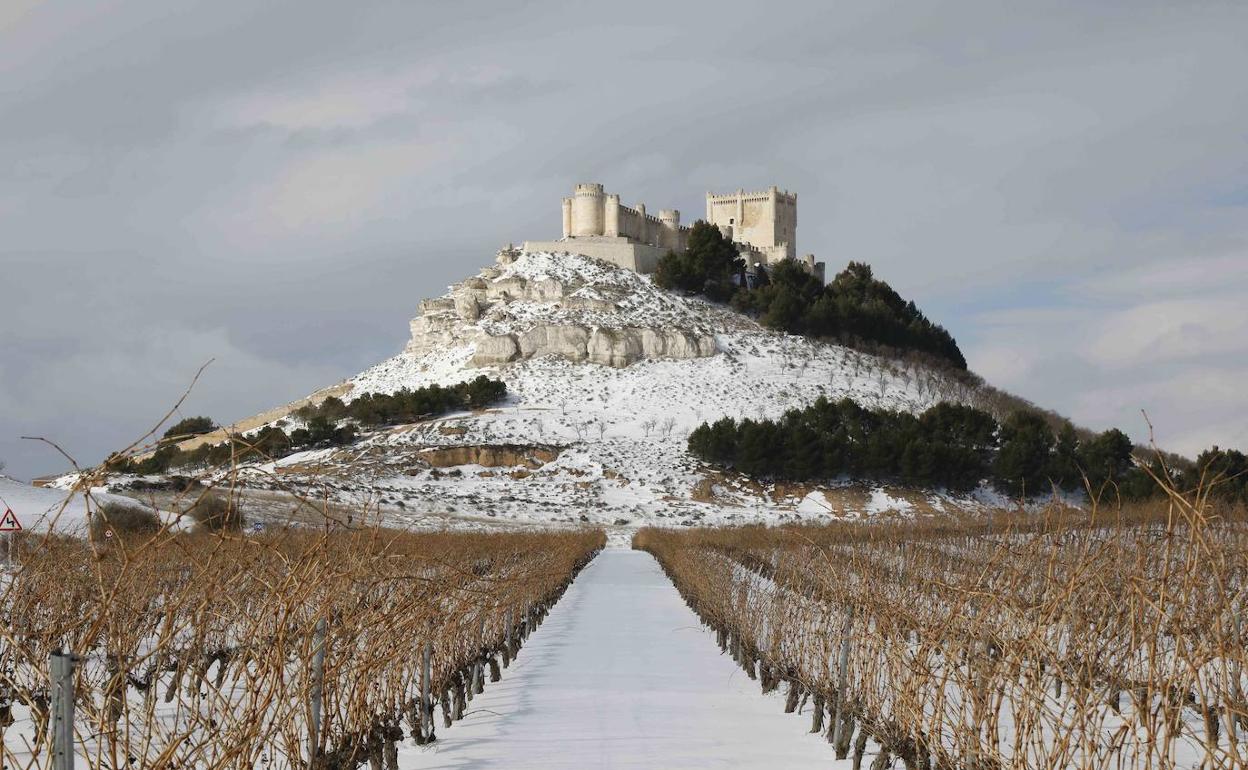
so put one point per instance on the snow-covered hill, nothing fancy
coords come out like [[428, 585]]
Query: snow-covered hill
[[40, 509], [606, 376]]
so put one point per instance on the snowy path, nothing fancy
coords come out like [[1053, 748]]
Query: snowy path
[[622, 675]]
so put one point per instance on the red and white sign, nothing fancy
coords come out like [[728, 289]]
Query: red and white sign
[[9, 522]]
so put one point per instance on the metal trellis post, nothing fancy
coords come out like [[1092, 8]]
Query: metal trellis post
[[62, 676], [318, 687]]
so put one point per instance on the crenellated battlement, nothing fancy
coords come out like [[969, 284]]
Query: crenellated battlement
[[763, 225], [787, 196], [651, 218], [591, 212]]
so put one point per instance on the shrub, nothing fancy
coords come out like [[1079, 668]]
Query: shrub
[[707, 266], [169, 484], [855, 309], [482, 391], [1064, 469], [1105, 458], [214, 513], [1223, 471], [191, 426], [122, 520], [323, 426], [157, 462], [949, 445], [1024, 459]]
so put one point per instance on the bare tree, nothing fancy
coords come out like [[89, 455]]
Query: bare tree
[[667, 426], [648, 425]]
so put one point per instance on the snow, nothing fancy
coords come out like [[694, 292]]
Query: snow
[[625, 430], [637, 301], [814, 503], [40, 509], [882, 502], [621, 674], [622, 431]]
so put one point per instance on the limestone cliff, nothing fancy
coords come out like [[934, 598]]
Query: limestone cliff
[[534, 305]]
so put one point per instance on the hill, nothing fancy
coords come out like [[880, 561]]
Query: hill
[[606, 376]]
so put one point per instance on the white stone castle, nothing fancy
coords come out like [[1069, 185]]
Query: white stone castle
[[763, 225]]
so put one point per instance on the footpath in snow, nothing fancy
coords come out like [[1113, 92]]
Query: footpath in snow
[[621, 674]]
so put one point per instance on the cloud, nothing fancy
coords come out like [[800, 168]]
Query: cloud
[[277, 185], [1172, 330], [353, 101], [341, 187], [121, 391], [1104, 363]]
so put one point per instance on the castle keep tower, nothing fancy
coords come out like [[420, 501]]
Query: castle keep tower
[[595, 223], [765, 220], [764, 224]]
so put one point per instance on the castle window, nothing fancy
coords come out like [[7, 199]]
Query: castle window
[[731, 221]]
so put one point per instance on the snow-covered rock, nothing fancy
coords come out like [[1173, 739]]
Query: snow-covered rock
[[567, 306]]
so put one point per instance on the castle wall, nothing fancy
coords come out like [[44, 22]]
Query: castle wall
[[596, 224], [593, 213], [638, 257]]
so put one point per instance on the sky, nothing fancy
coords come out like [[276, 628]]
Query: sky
[[275, 186]]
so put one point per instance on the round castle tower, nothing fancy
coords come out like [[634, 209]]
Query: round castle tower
[[587, 210], [669, 236]]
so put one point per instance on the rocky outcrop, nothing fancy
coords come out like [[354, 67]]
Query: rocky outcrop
[[616, 347], [587, 316], [491, 456], [467, 307], [608, 347], [495, 350], [552, 340]]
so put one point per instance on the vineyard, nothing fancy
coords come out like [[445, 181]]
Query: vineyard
[[301, 648], [1109, 639]]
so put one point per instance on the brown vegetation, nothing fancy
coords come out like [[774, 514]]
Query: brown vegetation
[[197, 649], [1074, 639]]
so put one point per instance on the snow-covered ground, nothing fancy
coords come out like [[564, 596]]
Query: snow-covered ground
[[41, 509], [620, 432], [623, 675]]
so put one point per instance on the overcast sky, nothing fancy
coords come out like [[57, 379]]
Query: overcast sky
[[276, 185]]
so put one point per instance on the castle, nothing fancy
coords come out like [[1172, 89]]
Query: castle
[[763, 225]]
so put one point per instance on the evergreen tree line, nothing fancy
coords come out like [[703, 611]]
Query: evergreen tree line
[[330, 423], [949, 445], [1225, 471], [856, 308]]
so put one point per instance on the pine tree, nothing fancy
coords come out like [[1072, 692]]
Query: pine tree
[[1064, 469], [1023, 459], [1106, 458]]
